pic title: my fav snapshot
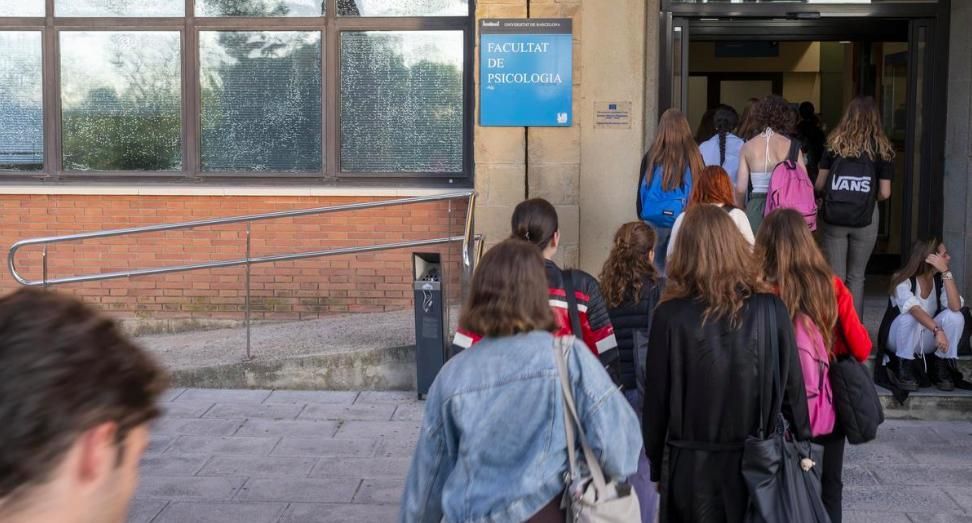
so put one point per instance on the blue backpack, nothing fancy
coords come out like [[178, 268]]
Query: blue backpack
[[659, 207]]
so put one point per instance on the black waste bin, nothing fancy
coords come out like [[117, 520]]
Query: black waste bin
[[430, 319]]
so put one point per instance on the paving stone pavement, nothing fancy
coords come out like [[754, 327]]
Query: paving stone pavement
[[255, 456]]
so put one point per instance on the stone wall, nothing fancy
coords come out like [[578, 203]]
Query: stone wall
[[587, 173], [958, 145]]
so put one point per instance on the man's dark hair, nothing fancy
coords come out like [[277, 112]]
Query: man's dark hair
[[64, 369]]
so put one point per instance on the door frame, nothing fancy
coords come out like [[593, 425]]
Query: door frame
[[830, 22]]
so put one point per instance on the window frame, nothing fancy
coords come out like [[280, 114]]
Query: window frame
[[330, 26]]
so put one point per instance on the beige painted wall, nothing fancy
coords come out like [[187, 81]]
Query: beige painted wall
[[588, 174], [613, 58], [793, 57]]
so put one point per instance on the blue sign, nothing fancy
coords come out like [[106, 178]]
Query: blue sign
[[525, 69]]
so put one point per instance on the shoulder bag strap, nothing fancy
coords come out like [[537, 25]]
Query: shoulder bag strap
[[573, 312], [794, 155], [571, 419], [762, 392], [938, 293]]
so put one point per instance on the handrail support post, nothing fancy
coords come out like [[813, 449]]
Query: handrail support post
[[246, 307]]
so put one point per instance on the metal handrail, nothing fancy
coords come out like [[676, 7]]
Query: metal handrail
[[468, 240]]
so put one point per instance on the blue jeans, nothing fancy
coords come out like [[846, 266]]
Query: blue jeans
[[641, 481], [662, 236]]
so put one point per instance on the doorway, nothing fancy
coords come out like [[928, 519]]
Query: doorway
[[719, 53]]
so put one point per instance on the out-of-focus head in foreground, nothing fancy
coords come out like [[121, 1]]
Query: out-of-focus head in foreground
[[76, 399]]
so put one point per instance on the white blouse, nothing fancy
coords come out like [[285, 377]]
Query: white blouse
[[738, 217], [905, 300]]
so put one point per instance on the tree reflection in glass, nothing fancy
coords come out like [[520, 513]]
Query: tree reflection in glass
[[120, 100], [259, 7], [261, 100], [401, 101], [21, 101], [119, 7], [403, 7]]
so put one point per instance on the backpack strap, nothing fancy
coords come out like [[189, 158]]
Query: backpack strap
[[572, 310], [938, 293]]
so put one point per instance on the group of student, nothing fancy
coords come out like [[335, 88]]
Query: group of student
[[697, 336]]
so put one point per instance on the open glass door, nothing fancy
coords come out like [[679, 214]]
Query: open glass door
[[673, 91], [920, 184]]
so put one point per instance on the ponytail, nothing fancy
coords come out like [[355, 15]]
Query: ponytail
[[535, 221], [722, 147], [725, 119]]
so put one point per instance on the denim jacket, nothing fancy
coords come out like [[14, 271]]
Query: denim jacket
[[493, 447]]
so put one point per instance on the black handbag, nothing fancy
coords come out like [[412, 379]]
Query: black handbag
[[856, 401], [779, 489]]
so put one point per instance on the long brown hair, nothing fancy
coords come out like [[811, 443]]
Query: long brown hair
[[674, 150], [747, 123], [916, 265], [712, 186], [508, 293], [535, 221], [628, 265], [791, 259], [860, 132], [712, 263]]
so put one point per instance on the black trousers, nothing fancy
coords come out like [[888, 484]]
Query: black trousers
[[833, 466]]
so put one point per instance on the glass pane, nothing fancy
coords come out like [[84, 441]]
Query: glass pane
[[403, 7], [401, 101], [120, 8], [21, 7], [120, 100], [261, 100], [21, 102], [259, 7]]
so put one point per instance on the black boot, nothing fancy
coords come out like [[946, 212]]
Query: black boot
[[942, 376], [957, 378], [902, 376]]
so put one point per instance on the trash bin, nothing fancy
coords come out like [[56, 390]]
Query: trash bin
[[430, 319]]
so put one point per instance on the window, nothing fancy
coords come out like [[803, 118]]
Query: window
[[236, 90], [21, 103], [261, 101], [120, 101], [402, 112], [115, 8], [21, 8]]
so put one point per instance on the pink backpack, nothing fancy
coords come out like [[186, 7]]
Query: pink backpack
[[790, 188], [815, 363]]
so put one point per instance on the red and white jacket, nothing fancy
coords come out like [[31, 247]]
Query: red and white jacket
[[597, 331]]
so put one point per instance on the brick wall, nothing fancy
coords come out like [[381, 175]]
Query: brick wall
[[280, 291]]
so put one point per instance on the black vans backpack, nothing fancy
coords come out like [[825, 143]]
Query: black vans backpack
[[851, 192]]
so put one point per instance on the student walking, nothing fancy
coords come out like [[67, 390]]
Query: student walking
[[713, 188], [78, 403], [581, 312], [493, 445], [723, 147], [826, 327], [760, 155], [665, 178], [704, 383], [924, 316], [855, 174], [632, 288]]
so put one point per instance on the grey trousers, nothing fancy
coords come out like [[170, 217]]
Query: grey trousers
[[848, 249]]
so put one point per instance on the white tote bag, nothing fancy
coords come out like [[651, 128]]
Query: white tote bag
[[589, 499]]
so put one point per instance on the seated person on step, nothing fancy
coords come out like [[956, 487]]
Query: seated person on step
[[924, 316]]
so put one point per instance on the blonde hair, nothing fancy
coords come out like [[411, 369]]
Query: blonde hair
[[712, 263], [860, 132]]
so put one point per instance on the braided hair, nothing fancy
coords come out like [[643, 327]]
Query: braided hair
[[724, 120]]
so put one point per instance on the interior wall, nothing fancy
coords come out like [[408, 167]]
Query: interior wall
[[794, 57]]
